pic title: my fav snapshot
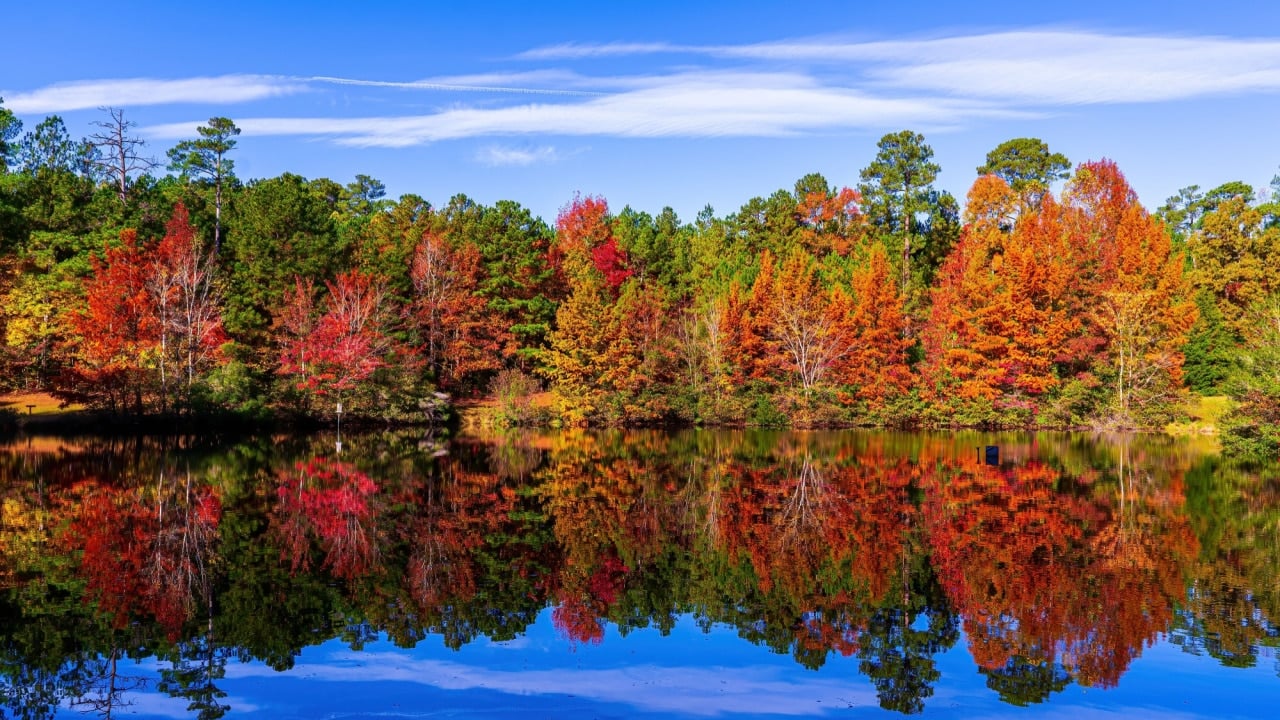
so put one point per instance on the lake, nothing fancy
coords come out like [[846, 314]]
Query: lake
[[637, 574]]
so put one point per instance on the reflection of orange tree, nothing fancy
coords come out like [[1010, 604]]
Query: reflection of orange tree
[[799, 519], [336, 506], [617, 516], [824, 537], [589, 497], [448, 531], [1046, 576]]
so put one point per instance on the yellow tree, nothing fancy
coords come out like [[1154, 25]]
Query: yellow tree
[[582, 348], [1236, 257]]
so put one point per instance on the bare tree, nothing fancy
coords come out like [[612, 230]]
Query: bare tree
[[119, 153]]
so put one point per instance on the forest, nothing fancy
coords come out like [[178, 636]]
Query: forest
[[1049, 298]]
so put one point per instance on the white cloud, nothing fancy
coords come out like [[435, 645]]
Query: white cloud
[[789, 88], [133, 92], [705, 691], [454, 86], [589, 50], [693, 104], [1045, 67], [497, 155]]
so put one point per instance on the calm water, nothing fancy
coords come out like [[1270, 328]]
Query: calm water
[[648, 574]]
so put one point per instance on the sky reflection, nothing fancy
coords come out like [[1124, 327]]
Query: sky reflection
[[689, 674]]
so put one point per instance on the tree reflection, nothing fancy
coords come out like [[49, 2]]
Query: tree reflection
[[873, 547], [333, 505], [1028, 555], [1234, 595]]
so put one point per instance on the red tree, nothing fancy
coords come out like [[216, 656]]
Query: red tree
[[118, 331], [458, 333], [335, 352], [188, 303]]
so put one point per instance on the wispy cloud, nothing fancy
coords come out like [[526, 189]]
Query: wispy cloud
[[589, 50], [220, 90], [498, 156], [707, 691], [694, 104], [454, 86], [775, 89], [1045, 67]]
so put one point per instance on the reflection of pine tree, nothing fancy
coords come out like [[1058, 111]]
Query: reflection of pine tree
[[896, 652], [1023, 682], [196, 666]]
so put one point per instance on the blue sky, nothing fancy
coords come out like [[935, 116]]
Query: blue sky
[[663, 103], [687, 674]]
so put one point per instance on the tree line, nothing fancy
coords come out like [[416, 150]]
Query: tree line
[[1053, 298]]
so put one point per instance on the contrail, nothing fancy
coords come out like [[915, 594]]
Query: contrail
[[423, 85]]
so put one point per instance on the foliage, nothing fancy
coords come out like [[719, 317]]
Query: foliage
[[513, 390], [1027, 166], [814, 304], [1251, 431]]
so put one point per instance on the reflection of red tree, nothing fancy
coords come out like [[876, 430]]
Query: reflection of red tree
[[1052, 576], [449, 530], [586, 594], [333, 504], [144, 552]]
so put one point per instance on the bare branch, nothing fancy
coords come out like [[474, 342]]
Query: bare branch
[[119, 153]]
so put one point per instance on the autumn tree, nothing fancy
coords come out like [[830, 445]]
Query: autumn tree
[[1236, 258], [332, 352], [808, 322], [581, 228], [877, 365], [580, 358], [701, 349], [1142, 303], [1000, 317], [518, 278], [830, 221], [117, 331], [611, 337], [189, 303], [459, 336]]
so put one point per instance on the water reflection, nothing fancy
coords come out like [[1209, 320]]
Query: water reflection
[[1058, 565]]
